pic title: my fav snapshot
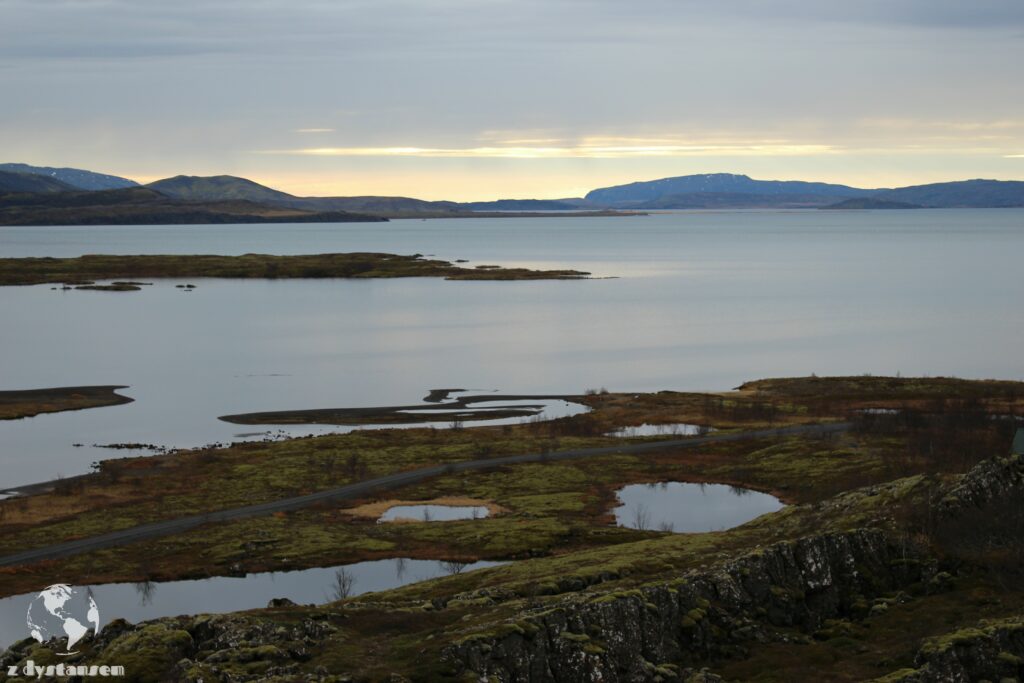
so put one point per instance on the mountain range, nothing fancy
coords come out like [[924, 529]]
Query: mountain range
[[73, 177], [210, 188], [41, 195], [725, 190]]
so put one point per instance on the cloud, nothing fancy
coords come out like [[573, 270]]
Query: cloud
[[575, 152], [161, 88]]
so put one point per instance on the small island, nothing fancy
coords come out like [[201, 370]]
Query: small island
[[84, 270]]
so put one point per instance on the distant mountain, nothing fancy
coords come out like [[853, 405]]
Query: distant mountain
[[870, 203], [728, 191], [223, 187], [738, 200], [76, 178], [390, 206], [212, 188], [144, 206], [526, 205], [976, 194], [27, 182], [636, 195]]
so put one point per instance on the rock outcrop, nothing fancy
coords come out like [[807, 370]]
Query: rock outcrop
[[206, 648], [655, 632], [990, 481], [994, 651]]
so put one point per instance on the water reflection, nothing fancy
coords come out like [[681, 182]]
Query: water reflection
[[679, 507], [150, 600], [145, 590], [433, 513], [704, 301]]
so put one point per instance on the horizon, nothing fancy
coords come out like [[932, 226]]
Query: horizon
[[299, 193], [475, 101]]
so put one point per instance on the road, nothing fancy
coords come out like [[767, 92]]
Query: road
[[391, 481]]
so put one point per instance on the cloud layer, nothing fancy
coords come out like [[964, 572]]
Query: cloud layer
[[453, 91]]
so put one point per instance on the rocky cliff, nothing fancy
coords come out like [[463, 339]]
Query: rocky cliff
[[655, 632]]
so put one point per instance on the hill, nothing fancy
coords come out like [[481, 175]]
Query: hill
[[143, 206], [729, 191], [73, 177], [224, 187], [527, 205], [26, 182], [974, 194], [637, 195], [860, 203], [738, 200], [216, 188]]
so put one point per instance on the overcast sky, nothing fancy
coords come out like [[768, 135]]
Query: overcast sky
[[467, 99]]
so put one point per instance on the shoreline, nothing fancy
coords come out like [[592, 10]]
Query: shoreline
[[434, 402]]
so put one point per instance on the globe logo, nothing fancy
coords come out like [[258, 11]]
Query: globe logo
[[62, 610]]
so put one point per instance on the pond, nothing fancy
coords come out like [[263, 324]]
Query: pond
[[434, 513], [140, 602], [690, 508]]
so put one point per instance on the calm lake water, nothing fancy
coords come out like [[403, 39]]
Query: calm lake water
[[690, 508], [141, 602], [698, 301]]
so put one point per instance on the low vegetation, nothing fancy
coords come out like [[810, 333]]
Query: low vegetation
[[26, 403], [85, 269], [917, 483]]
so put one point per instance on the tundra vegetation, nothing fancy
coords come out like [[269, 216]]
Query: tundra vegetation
[[83, 270], [897, 557]]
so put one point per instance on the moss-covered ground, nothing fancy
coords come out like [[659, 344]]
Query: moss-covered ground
[[556, 520]]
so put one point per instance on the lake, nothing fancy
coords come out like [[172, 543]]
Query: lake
[[694, 301]]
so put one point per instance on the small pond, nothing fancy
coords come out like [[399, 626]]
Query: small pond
[[690, 508], [434, 513], [673, 429], [140, 602]]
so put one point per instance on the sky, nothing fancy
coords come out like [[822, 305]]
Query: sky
[[487, 99]]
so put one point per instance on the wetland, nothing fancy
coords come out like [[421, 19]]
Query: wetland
[[644, 383]]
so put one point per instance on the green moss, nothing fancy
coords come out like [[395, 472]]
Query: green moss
[[696, 615], [943, 643], [147, 654]]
